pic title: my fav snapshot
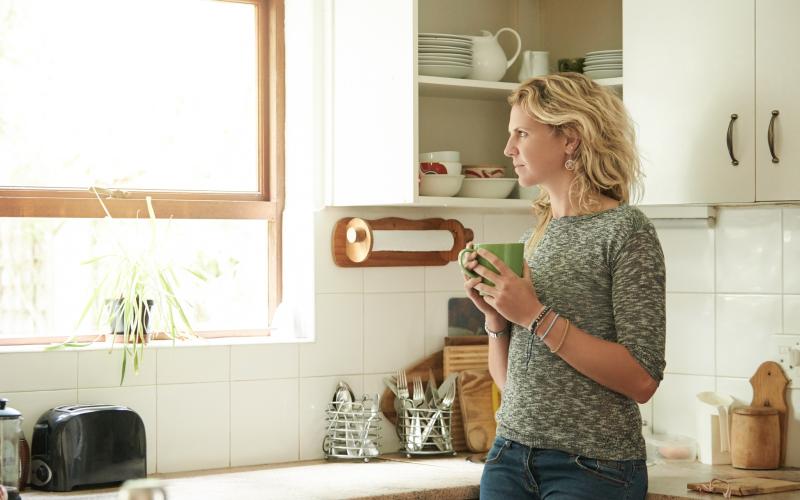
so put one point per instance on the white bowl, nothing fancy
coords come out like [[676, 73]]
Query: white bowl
[[439, 185], [440, 156], [486, 188], [440, 168], [484, 171]]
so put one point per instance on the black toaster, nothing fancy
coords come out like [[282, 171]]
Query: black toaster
[[76, 446]]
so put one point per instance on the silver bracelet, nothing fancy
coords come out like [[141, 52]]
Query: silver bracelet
[[549, 327], [492, 334]]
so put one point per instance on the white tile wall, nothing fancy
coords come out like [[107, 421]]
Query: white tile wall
[[748, 258], [101, 368], [338, 347], [745, 324], [690, 333], [791, 250], [725, 299], [689, 253], [264, 421], [394, 330], [193, 426]]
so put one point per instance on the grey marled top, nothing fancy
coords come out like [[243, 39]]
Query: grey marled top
[[605, 273]]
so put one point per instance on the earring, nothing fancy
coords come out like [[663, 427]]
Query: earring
[[569, 164]]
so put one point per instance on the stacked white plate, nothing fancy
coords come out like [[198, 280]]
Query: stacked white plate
[[442, 54], [603, 64]]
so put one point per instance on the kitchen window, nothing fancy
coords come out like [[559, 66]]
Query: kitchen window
[[180, 100]]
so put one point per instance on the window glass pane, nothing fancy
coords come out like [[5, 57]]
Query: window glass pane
[[137, 94], [44, 286]]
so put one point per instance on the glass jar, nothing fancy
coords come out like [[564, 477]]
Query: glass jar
[[10, 430]]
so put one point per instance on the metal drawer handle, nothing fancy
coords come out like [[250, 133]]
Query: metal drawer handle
[[771, 136], [734, 161]]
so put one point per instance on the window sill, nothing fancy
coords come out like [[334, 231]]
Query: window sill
[[160, 344]]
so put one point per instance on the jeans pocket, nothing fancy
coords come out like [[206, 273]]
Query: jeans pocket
[[609, 470], [496, 452]]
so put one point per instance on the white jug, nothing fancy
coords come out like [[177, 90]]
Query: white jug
[[713, 427], [488, 59]]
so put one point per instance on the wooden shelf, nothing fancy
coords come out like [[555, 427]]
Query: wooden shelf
[[481, 203], [460, 88]]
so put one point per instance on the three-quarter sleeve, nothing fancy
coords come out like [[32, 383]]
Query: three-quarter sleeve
[[639, 299]]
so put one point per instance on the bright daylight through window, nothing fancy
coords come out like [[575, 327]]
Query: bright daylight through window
[[160, 96]]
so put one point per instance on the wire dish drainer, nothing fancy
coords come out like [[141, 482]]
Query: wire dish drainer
[[353, 430], [425, 431]]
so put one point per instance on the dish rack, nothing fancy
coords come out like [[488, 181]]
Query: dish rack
[[353, 430], [418, 439]]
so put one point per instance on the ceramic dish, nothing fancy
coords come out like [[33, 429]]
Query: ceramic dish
[[603, 73], [458, 44], [427, 49], [444, 70], [487, 188], [440, 185], [445, 36]]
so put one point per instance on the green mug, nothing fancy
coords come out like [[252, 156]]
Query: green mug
[[510, 253]]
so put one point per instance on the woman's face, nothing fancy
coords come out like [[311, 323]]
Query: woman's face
[[537, 151]]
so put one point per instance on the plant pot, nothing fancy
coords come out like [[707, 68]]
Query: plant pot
[[117, 317]]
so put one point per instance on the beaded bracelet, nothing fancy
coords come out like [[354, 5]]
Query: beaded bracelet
[[535, 323]]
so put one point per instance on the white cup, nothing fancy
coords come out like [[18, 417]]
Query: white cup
[[534, 63]]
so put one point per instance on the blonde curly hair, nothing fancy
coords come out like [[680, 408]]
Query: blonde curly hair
[[606, 159]]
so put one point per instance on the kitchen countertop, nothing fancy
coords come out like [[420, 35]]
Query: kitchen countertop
[[394, 477]]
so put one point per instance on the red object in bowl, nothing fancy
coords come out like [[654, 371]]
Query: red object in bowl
[[432, 168]]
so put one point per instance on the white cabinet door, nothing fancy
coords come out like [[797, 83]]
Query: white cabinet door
[[374, 92], [777, 77], [688, 66]]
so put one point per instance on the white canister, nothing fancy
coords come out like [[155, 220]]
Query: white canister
[[712, 413]]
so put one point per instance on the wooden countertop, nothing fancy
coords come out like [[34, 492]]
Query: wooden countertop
[[394, 477]]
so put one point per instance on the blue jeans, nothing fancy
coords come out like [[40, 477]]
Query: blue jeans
[[515, 471]]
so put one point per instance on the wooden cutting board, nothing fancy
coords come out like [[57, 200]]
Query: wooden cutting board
[[745, 486], [769, 389], [475, 395], [457, 359]]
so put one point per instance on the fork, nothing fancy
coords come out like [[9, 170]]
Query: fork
[[447, 401], [419, 392]]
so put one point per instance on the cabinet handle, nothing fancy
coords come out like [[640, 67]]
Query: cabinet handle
[[771, 136], [734, 161]]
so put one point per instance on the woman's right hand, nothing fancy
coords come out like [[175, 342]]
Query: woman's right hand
[[493, 318]]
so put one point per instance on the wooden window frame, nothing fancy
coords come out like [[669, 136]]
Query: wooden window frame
[[267, 204]]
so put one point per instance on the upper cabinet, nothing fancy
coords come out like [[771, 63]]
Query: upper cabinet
[[383, 113], [702, 80]]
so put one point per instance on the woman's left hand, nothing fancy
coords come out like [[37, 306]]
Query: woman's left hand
[[512, 296]]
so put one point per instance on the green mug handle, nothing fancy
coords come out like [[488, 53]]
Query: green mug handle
[[461, 262]]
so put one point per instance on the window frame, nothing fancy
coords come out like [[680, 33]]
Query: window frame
[[267, 204]]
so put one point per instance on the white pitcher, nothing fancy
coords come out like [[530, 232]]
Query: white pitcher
[[488, 59], [713, 427]]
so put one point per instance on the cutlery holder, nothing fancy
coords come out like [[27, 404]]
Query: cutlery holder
[[411, 425], [353, 431]]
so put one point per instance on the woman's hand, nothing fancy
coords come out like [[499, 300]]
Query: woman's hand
[[512, 297], [493, 318]]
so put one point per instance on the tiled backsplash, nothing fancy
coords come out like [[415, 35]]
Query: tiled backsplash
[[729, 289]]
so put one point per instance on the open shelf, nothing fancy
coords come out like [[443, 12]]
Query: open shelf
[[461, 88]]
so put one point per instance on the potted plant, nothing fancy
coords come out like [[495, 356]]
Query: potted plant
[[136, 291]]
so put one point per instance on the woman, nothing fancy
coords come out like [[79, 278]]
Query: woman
[[578, 340]]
